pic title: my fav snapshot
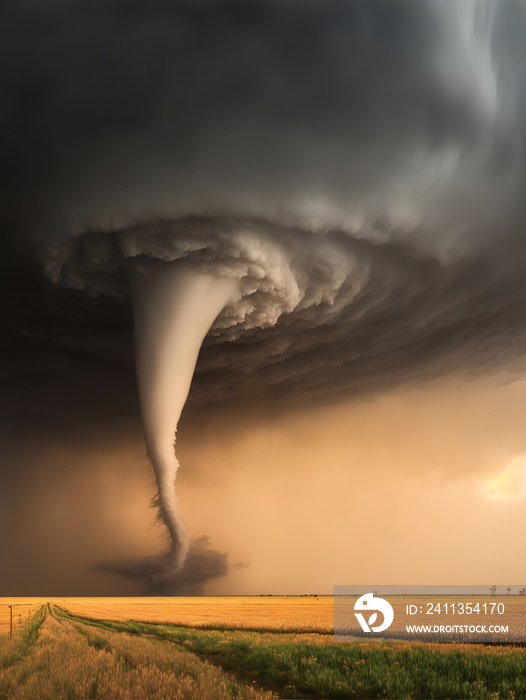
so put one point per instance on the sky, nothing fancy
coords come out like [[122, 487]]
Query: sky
[[349, 176]]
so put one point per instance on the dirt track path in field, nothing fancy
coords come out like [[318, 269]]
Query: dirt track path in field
[[62, 658], [156, 632]]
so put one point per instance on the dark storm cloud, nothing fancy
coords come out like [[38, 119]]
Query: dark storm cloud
[[357, 166], [151, 97]]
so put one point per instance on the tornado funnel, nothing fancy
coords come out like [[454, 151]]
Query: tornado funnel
[[174, 306]]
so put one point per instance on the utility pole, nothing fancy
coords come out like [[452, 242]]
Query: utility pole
[[10, 621]]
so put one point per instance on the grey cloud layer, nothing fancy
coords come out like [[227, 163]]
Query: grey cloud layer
[[319, 114], [358, 166]]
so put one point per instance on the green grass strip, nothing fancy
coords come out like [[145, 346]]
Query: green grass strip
[[14, 650]]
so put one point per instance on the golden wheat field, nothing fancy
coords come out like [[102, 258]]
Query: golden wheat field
[[221, 648], [276, 613], [308, 614]]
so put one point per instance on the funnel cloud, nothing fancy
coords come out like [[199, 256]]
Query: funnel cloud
[[174, 307]]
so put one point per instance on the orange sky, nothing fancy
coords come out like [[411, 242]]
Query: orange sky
[[392, 490]]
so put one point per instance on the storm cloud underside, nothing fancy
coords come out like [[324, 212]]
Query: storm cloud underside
[[357, 168]]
